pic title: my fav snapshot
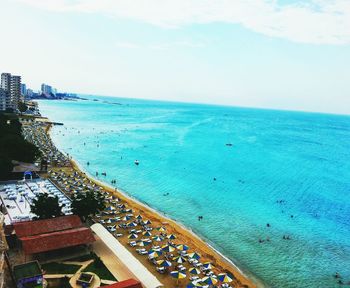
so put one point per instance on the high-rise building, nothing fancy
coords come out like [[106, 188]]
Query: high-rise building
[[48, 91], [23, 89], [6, 81], [3, 96], [12, 87], [15, 90], [29, 93]]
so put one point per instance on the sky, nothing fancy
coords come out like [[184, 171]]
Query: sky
[[281, 54]]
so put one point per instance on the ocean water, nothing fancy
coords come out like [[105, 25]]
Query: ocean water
[[288, 169]]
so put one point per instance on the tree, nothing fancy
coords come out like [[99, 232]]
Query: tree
[[13, 146], [22, 107], [46, 206], [87, 204]]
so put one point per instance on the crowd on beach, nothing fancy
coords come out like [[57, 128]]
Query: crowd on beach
[[36, 133], [168, 255]]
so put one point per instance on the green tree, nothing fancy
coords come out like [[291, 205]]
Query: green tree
[[46, 206], [13, 146], [22, 107], [87, 204]]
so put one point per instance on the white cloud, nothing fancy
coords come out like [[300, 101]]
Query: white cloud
[[167, 45], [312, 21], [127, 45], [159, 46]]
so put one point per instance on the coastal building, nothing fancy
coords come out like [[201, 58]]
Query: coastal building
[[52, 234], [15, 91], [29, 93], [3, 99], [48, 90], [12, 86], [23, 89]]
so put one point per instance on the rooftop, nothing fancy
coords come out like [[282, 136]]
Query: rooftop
[[31, 228], [56, 240]]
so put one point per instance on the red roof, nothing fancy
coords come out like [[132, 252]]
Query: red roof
[[30, 228], [131, 283], [56, 240]]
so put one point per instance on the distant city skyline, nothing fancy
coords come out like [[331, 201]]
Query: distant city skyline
[[285, 54]]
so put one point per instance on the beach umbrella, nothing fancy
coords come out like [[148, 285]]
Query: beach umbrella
[[164, 263], [157, 238], [133, 236], [155, 253], [225, 278], [182, 247], [132, 224], [194, 255], [179, 259], [168, 248], [171, 236], [147, 233], [126, 218], [207, 265], [143, 242], [177, 275], [161, 229], [139, 217], [194, 271], [147, 222], [210, 280]]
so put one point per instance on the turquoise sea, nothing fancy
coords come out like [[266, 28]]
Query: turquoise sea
[[288, 169]]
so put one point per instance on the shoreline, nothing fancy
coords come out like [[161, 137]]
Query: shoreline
[[189, 236], [217, 257]]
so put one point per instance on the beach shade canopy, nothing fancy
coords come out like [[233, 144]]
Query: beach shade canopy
[[225, 278], [143, 243], [164, 263], [182, 247], [157, 238], [179, 259], [177, 274], [133, 236], [194, 271], [210, 280], [171, 236], [168, 248], [147, 233], [161, 229], [138, 217], [194, 255], [154, 253], [208, 265]]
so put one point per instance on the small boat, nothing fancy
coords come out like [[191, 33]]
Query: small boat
[[229, 144], [137, 162]]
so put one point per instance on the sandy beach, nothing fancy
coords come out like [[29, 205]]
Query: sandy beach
[[184, 235]]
